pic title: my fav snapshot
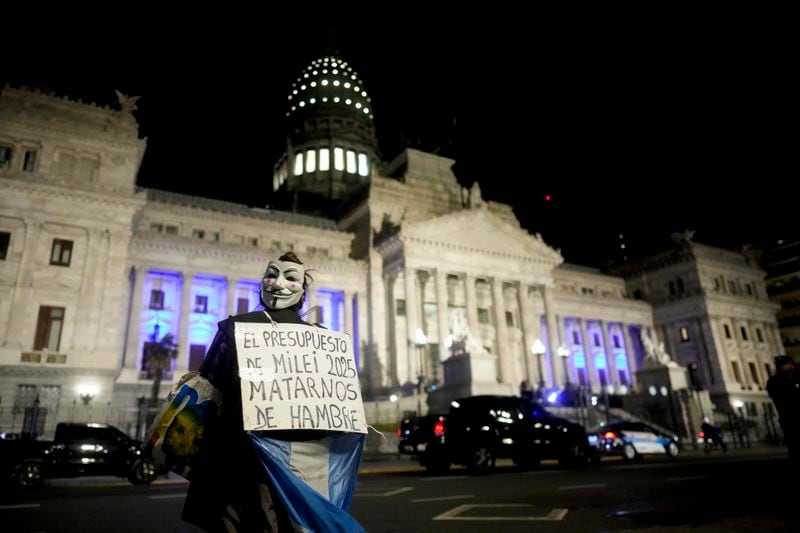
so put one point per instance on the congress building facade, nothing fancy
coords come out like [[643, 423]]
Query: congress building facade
[[94, 268]]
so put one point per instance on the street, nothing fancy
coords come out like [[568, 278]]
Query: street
[[734, 492]]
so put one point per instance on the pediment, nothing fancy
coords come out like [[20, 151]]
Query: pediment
[[482, 231]]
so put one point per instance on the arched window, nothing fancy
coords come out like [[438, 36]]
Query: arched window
[[363, 165], [298, 164], [311, 161], [324, 159], [338, 158], [351, 162]]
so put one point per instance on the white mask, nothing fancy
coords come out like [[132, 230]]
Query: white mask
[[282, 286]]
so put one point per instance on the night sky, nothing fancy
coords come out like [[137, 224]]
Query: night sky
[[642, 132]]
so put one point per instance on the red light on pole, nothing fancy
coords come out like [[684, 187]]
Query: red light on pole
[[547, 198]]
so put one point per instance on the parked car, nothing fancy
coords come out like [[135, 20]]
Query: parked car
[[632, 440], [77, 450], [479, 429]]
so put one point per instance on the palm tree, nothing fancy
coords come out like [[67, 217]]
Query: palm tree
[[160, 355]]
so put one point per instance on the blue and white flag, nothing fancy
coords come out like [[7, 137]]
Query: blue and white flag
[[314, 479]]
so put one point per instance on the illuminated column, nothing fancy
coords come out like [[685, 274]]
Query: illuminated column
[[360, 337], [628, 352], [391, 333], [472, 306], [442, 311], [311, 302], [131, 351], [21, 295], [501, 331], [552, 334], [587, 353], [231, 308], [611, 364], [183, 329], [528, 319], [348, 312], [412, 323]]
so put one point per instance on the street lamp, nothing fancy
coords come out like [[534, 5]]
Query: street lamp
[[420, 341], [538, 349], [563, 353]]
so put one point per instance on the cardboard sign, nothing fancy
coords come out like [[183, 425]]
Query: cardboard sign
[[298, 377]]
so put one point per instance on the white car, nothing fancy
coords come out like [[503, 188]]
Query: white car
[[632, 440]]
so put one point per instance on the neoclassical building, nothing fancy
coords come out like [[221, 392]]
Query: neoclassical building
[[93, 268]]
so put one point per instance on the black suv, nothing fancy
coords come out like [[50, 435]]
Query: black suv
[[78, 450], [480, 429]]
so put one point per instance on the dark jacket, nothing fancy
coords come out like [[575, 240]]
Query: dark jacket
[[784, 389], [229, 490]]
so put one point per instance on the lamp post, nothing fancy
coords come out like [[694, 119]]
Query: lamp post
[[420, 341], [563, 353], [538, 349]]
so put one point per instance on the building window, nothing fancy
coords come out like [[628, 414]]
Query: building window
[[298, 164], [400, 307], [29, 161], [338, 158], [242, 305], [5, 156], [596, 339], [201, 304], [601, 373], [171, 230], [672, 288], [736, 375], [615, 339], [88, 168], [363, 166], [509, 319], [351, 162], [732, 287], [759, 335], [5, 238], [156, 227], [681, 288], [156, 299], [623, 378], [754, 373], [684, 334], [215, 236], [587, 290], [61, 253], [483, 316], [768, 369], [581, 376], [727, 331], [576, 338], [48, 328], [744, 333], [717, 285], [252, 241], [198, 234], [324, 159], [751, 409], [749, 289], [311, 161]]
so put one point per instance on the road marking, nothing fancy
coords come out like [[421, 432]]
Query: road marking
[[686, 478], [383, 494], [587, 486], [445, 478], [455, 513], [443, 498], [543, 472], [166, 496], [21, 506]]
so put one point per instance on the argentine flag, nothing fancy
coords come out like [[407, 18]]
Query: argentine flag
[[314, 479]]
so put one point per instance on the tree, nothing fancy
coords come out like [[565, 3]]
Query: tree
[[159, 356]]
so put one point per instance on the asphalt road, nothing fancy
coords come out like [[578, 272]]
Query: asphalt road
[[735, 492]]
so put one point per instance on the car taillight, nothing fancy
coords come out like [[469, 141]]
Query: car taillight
[[610, 435], [438, 429], [399, 432], [701, 434]]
